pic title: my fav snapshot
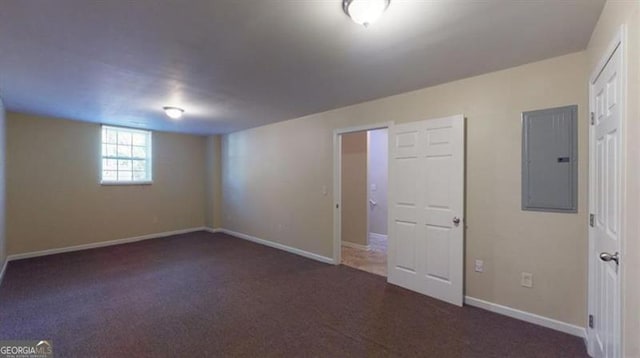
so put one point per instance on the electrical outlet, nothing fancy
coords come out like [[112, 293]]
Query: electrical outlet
[[479, 266], [527, 280]]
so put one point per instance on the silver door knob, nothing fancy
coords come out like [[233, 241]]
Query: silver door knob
[[456, 220], [606, 257]]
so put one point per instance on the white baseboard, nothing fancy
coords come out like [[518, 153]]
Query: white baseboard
[[101, 244], [356, 246], [528, 317], [378, 236], [275, 245], [212, 230]]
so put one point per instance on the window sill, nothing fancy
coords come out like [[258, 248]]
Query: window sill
[[127, 183]]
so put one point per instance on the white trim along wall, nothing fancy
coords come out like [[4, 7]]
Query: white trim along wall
[[101, 244]]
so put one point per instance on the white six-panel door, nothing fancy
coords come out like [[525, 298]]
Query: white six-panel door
[[426, 205], [605, 196]]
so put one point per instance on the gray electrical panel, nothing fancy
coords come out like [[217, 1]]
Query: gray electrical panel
[[550, 160]]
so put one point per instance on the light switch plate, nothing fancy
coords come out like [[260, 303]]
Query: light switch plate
[[527, 280]]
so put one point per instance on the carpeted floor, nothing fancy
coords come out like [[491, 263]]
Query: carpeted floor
[[205, 294]]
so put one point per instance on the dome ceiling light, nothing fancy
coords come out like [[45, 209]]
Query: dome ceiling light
[[173, 112], [365, 12]]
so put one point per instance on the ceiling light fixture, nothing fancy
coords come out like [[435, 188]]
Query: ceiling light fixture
[[365, 12], [173, 112]]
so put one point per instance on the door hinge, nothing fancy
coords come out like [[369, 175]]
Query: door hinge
[[590, 321], [592, 118], [592, 219]]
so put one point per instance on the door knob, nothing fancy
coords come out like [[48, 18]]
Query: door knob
[[456, 220], [606, 257]]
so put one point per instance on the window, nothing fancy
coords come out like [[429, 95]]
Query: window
[[126, 156]]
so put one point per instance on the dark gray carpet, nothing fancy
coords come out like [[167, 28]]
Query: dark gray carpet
[[205, 294]]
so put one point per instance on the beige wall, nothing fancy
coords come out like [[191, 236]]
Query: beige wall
[[615, 14], [213, 209], [354, 188], [54, 196], [3, 251], [273, 180], [378, 173]]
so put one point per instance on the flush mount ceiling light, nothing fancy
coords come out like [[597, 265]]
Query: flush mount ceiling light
[[173, 112], [365, 12]]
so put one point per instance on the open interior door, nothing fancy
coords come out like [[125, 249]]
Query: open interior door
[[426, 207]]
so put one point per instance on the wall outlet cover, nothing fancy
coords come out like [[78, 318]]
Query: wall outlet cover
[[527, 280], [479, 266]]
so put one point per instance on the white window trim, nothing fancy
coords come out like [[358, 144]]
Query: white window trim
[[149, 158], [116, 183]]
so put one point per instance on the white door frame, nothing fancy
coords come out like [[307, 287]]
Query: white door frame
[[618, 43], [337, 182]]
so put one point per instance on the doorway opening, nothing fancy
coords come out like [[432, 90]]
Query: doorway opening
[[425, 196], [363, 174]]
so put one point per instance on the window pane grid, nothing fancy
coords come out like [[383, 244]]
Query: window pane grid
[[126, 155]]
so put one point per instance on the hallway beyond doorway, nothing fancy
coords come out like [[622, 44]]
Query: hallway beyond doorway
[[372, 258]]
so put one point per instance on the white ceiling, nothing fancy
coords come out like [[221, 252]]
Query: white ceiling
[[238, 64]]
